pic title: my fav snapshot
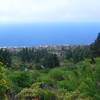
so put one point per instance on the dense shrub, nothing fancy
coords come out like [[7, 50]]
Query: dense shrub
[[3, 85], [46, 79], [21, 80], [56, 74], [76, 96], [36, 91], [5, 57]]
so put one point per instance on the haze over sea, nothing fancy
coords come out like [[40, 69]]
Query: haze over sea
[[37, 34]]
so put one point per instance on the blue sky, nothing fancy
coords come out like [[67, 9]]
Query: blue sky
[[26, 11]]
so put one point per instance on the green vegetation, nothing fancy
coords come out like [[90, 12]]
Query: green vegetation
[[95, 47], [3, 85], [80, 83], [41, 74], [5, 57]]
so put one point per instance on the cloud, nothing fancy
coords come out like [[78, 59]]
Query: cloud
[[49, 10]]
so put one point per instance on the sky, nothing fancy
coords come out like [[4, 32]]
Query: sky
[[26, 11]]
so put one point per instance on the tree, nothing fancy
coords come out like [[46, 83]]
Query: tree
[[5, 57], [29, 54], [3, 85], [80, 53], [50, 61], [68, 53], [95, 47], [26, 54]]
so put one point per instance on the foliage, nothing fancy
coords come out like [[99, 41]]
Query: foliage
[[95, 47], [60, 93], [63, 83], [76, 96], [40, 57], [56, 74], [45, 79], [51, 61], [19, 80], [3, 85], [5, 57], [26, 54], [68, 53], [80, 53], [36, 91]]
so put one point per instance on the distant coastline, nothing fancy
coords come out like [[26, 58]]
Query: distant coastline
[[45, 46]]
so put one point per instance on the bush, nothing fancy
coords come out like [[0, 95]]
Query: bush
[[36, 92], [76, 96], [21, 80], [3, 85], [62, 84], [37, 66], [46, 95], [60, 93], [45, 79], [56, 74], [35, 74]]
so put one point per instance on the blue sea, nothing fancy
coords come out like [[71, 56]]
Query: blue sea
[[36, 34]]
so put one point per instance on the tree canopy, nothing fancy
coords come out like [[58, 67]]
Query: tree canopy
[[95, 47], [3, 85]]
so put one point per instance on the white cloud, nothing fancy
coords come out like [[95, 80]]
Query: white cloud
[[49, 10]]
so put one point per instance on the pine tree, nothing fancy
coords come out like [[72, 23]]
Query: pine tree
[[3, 85], [95, 47]]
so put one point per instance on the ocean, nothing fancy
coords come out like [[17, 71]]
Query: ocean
[[36, 34]]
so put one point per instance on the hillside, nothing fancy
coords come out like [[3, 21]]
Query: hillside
[[51, 72]]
